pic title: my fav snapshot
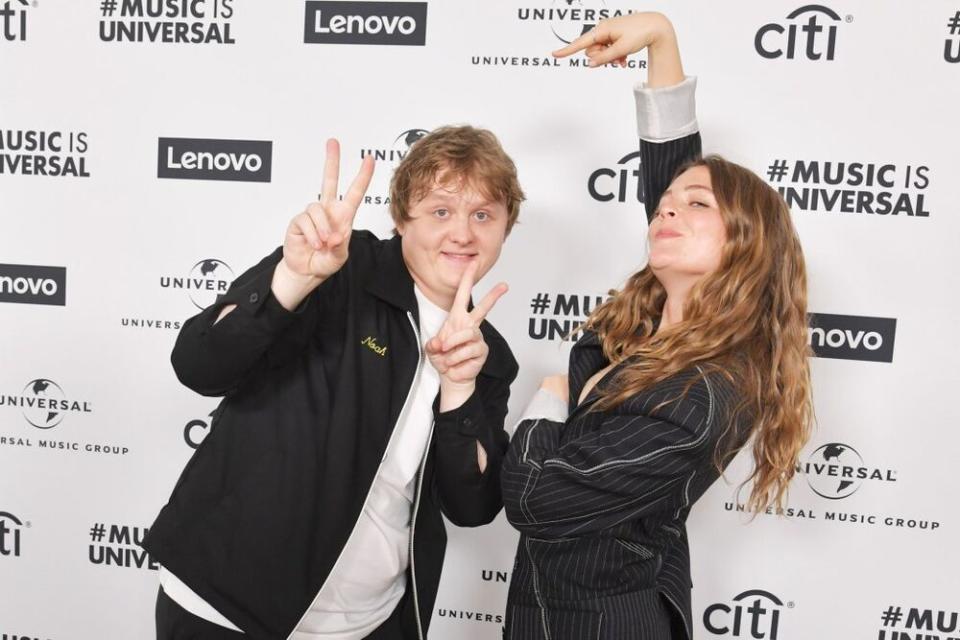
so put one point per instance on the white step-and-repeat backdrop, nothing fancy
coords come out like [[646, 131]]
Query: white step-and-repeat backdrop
[[111, 235]]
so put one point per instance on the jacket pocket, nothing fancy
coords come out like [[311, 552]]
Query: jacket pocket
[[527, 622], [637, 549], [567, 569], [575, 625]]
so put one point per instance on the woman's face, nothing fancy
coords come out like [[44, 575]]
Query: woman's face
[[687, 233]]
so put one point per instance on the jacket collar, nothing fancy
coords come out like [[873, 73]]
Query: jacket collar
[[390, 279], [391, 282]]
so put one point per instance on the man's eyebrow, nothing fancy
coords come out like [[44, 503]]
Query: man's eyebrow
[[437, 194], [446, 196]]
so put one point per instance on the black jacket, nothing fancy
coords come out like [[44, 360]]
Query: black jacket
[[601, 499], [263, 509]]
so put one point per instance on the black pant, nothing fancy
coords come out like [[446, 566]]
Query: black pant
[[176, 623]]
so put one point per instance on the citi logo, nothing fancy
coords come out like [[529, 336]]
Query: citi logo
[[771, 43], [752, 614], [14, 20], [622, 183], [196, 431], [10, 534], [389, 23], [852, 337], [31, 284], [209, 159]]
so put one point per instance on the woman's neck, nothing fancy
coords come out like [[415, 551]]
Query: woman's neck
[[673, 306]]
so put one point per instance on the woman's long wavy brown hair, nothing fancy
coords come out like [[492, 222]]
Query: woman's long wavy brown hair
[[746, 320]]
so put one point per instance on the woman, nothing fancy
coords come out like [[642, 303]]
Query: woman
[[700, 351]]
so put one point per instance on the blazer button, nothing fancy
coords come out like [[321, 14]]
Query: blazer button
[[254, 297], [467, 422]]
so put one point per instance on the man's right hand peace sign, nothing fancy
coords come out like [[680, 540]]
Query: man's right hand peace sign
[[317, 241]]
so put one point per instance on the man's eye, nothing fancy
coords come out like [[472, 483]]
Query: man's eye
[[441, 213], [481, 215]]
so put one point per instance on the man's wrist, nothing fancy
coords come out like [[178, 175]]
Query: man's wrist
[[454, 394], [290, 288]]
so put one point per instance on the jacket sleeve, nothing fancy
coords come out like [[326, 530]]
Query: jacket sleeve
[[669, 135], [632, 464], [213, 358], [469, 498]]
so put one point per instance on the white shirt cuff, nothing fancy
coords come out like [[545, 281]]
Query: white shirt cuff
[[666, 113], [546, 405]]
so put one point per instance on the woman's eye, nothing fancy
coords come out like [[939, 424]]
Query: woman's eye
[[697, 203]]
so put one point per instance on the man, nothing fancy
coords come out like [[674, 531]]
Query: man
[[364, 397]]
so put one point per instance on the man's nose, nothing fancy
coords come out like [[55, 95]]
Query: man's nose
[[461, 231]]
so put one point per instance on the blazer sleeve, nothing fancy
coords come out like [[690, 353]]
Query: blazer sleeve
[[632, 464], [213, 358], [669, 135], [467, 496]]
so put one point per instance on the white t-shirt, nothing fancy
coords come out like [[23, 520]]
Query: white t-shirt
[[369, 577]]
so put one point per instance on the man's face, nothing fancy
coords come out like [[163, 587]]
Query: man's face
[[452, 226]]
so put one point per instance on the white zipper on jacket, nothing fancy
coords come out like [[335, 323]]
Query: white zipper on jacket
[[416, 375], [416, 503]]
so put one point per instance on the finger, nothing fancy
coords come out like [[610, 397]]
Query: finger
[[460, 337], [331, 171], [465, 353], [594, 49], [303, 225], [462, 298], [481, 310], [321, 221], [596, 35], [617, 50], [358, 188], [433, 346]]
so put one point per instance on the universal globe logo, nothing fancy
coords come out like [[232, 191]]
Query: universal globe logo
[[48, 395], [208, 279], [406, 139], [583, 16], [399, 149], [836, 471], [215, 276], [44, 403], [570, 19]]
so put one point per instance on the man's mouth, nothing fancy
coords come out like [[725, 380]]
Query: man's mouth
[[458, 257]]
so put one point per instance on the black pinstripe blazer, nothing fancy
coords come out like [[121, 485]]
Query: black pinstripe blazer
[[601, 499]]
